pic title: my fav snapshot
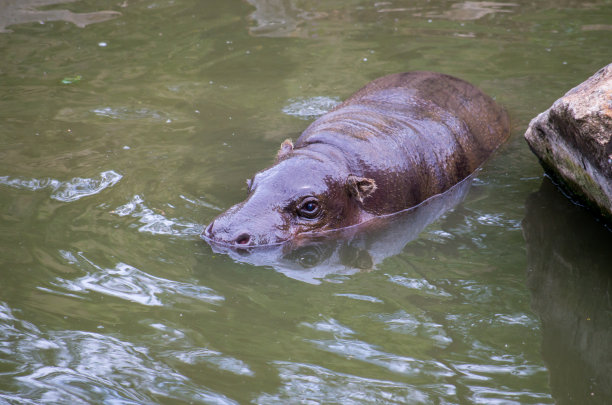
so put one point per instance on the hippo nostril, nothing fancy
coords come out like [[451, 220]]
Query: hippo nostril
[[243, 239]]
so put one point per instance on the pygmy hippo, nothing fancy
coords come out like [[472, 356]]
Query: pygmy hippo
[[398, 141]]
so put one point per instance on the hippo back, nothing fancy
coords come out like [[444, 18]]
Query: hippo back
[[416, 134]]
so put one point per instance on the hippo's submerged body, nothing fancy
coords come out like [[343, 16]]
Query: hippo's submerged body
[[396, 142]]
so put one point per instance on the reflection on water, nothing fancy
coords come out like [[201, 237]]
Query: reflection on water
[[124, 113], [570, 278], [284, 18], [279, 18], [14, 12], [471, 10], [353, 249]]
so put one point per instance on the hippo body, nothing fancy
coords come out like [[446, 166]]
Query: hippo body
[[398, 141]]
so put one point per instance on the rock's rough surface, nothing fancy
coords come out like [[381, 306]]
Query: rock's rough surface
[[573, 140]]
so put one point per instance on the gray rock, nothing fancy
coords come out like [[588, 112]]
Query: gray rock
[[572, 140]]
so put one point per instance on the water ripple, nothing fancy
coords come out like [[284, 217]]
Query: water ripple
[[124, 113], [70, 366], [368, 353], [419, 284], [474, 291], [215, 358], [311, 384], [66, 191], [492, 396], [308, 108], [199, 202], [185, 351], [360, 297], [330, 326], [131, 284], [488, 371], [498, 220], [155, 223], [416, 325]]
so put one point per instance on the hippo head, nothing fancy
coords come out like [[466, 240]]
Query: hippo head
[[304, 193]]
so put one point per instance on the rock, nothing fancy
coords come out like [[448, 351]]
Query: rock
[[572, 140]]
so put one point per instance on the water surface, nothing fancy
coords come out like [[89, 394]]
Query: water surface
[[127, 126]]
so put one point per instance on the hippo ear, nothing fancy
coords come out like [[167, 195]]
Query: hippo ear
[[360, 187], [285, 150]]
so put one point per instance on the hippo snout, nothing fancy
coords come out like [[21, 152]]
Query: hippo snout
[[217, 234]]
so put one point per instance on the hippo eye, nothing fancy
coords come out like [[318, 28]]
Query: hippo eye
[[309, 208]]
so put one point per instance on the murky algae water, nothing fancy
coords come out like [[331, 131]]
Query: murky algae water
[[128, 125]]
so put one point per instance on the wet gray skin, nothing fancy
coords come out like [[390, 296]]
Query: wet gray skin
[[396, 142], [304, 194]]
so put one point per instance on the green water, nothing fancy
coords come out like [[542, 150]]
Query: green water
[[122, 135]]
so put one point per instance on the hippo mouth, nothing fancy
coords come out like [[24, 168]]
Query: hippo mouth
[[246, 243], [305, 251], [243, 241]]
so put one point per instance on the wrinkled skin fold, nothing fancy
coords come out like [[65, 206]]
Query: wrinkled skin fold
[[398, 141]]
